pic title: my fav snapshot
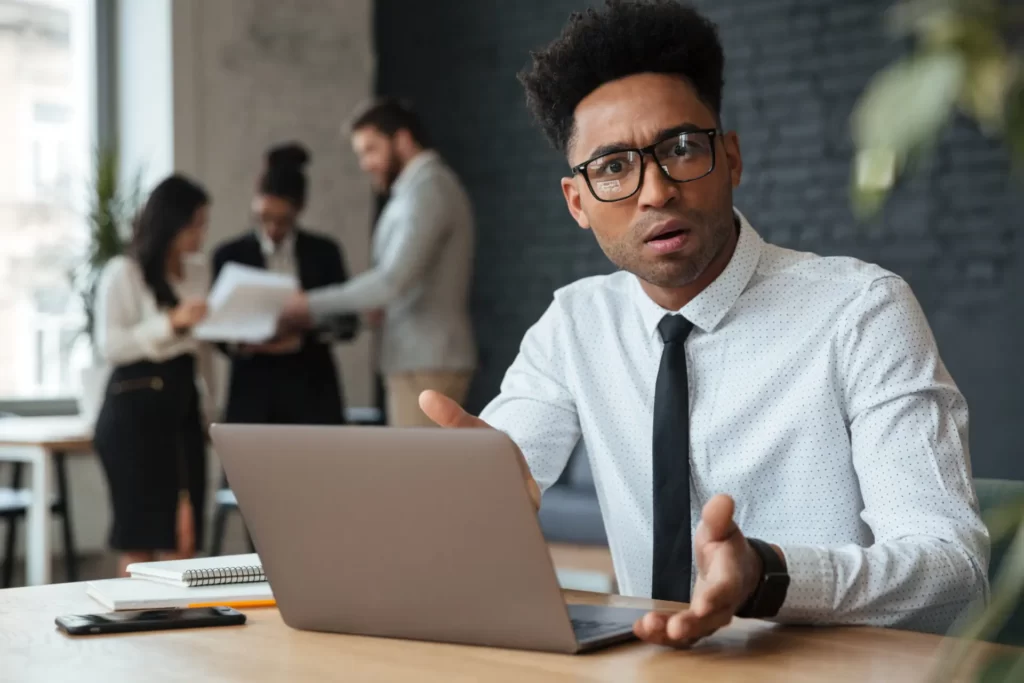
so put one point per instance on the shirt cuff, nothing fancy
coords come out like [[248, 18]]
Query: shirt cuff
[[811, 584], [156, 331], [324, 305]]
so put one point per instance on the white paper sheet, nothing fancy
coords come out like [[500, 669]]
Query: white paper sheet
[[244, 305], [127, 593], [195, 283]]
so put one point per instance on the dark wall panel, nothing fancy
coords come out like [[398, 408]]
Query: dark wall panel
[[794, 69]]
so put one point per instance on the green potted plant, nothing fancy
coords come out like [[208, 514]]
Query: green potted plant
[[966, 59], [111, 211]]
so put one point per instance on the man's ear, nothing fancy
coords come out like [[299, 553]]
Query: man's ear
[[404, 142], [731, 143], [572, 200]]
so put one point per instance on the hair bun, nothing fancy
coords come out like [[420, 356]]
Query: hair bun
[[291, 155]]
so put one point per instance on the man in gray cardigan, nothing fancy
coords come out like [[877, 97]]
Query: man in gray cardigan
[[422, 265]]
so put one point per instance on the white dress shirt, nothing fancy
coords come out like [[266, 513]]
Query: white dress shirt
[[279, 257], [817, 400], [129, 326]]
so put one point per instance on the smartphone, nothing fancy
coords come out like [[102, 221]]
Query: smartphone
[[149, 620]]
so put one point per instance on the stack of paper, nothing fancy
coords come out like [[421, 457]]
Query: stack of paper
[[244, 305], [121, 594], [195, 281], [228, 579]]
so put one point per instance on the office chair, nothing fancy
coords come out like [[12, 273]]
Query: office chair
[[992, 494]]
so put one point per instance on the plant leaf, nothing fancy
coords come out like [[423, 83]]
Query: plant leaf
[[1015, 121], [906, 105], [1005, 668], [1006, 590], [981, 623], [108, 206], [985, 89], [899, 115], [874, 173], [921, 16], [1004, 520]]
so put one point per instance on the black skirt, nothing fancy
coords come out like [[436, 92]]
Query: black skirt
[[149, 437]]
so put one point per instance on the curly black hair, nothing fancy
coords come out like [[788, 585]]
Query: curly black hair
[[626, 37]]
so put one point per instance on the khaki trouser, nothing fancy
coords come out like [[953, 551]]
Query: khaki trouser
[[404, 394]]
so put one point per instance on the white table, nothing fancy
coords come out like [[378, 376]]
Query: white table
[[44, 441], [40, 441]]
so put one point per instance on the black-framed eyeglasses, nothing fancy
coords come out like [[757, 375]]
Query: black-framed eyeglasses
[[619, 175], [274, 220]]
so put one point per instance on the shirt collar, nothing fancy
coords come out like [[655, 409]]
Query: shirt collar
[[411, 169], [708, 308], [267, 246]]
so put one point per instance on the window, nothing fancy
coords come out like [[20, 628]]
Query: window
[[51, 133], [47, 82]]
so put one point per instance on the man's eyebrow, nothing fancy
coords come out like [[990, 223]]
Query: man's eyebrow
[[661, 135]]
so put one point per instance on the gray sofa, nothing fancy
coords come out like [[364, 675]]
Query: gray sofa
[[569, 512]]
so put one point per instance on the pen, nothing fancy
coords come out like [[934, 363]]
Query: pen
[[237, 604]]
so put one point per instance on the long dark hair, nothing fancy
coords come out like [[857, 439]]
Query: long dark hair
[[284, 175], [170, 208]]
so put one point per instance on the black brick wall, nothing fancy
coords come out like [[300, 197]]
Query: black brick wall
[[794, 69]]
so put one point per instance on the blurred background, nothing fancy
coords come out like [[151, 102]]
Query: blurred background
[[205, 86], [794, 72]]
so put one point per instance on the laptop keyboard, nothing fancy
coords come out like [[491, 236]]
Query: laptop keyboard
[[586, 629]]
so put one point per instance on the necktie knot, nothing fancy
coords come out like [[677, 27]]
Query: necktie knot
[[674, 328]]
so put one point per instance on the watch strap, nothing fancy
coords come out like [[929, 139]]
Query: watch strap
[[767, 599]]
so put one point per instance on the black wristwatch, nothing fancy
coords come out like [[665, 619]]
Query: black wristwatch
[[771, 589]]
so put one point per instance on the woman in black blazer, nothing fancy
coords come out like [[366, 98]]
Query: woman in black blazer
[[291, 380]]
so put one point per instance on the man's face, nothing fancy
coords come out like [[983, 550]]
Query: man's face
[[378, 157], [668, 232]]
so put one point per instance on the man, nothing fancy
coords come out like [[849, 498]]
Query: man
[[291, 380], [729, 390], [422, 255]]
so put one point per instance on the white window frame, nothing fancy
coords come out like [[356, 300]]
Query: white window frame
[[101, 103]]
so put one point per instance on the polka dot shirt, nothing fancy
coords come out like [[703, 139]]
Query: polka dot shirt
[[817, 400]]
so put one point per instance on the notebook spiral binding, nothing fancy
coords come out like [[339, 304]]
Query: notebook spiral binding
[[224, 575]]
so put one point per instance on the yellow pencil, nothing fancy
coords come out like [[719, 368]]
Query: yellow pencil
[[239, 604]]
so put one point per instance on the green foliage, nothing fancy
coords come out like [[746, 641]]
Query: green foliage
[[1003, 669], [962, 62], [111, 212], [983, 622]]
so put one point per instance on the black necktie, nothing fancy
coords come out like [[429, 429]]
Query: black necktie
[[673, 548]]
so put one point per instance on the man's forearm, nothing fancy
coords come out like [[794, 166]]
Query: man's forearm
[[922, 583], [365, 292]]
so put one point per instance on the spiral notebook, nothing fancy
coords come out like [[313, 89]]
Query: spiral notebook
[[202, 571]]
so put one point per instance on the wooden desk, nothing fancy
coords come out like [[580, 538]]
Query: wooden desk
[[40, 441], [31, 649]]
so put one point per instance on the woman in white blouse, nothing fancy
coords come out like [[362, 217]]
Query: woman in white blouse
[[150, 431]]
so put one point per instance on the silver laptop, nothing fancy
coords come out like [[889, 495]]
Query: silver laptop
[[425, 534]]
